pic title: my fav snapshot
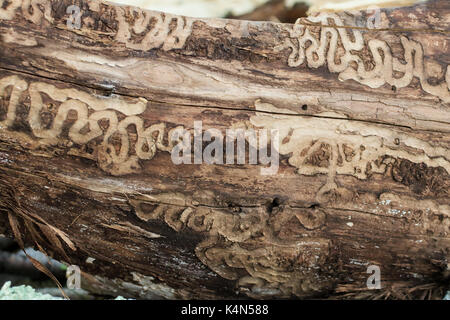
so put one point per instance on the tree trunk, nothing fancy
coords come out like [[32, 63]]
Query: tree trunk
[[90, 104]]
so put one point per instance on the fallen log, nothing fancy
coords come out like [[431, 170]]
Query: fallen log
[[275, 10], [93, 97]]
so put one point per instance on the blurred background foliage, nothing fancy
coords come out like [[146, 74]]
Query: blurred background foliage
[[18, 277]]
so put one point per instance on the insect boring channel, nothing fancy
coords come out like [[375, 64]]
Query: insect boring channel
[[213, 147]]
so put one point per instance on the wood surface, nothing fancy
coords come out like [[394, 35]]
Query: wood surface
[[87, 114]]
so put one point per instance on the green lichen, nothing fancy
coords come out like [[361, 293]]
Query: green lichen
[[23, 293]]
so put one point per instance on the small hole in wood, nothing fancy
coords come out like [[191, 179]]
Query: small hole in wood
[[234, 208], [274, 204], [304, 107]]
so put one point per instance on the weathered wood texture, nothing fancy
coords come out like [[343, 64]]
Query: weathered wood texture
[[364, 122]]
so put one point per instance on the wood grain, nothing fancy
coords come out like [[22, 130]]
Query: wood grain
[[363, 115]]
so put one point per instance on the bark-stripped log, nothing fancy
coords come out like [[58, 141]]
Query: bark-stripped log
[[87, 114]]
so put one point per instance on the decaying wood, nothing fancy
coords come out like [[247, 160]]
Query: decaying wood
[[364, 122], [277, 11]]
